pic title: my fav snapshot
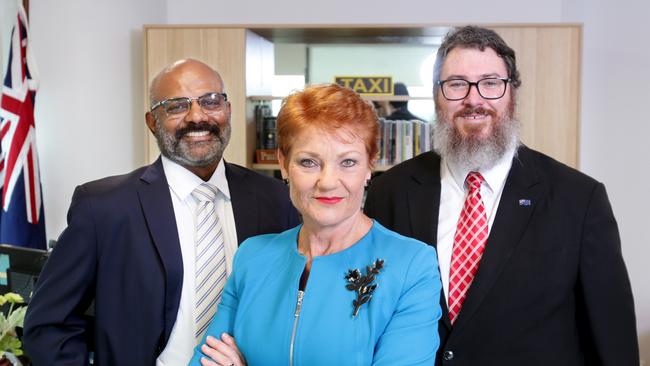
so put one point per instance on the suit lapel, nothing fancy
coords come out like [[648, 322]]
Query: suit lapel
[[244, 203], [424, 209], [522, 193], [159, 214], [424, 200]]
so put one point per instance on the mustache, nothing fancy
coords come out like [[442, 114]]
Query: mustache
[[475, 110], [202, 126]]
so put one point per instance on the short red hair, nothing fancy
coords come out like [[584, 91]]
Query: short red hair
[[331, 108]]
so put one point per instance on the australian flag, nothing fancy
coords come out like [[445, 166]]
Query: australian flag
[[22, 221]]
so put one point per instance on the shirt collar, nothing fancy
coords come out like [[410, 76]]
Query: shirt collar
[[494, 176], [183, 182]]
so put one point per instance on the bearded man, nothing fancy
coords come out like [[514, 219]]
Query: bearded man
[[528, 248], [146, 247]]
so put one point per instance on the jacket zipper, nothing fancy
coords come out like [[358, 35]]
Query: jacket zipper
[[296, 315]]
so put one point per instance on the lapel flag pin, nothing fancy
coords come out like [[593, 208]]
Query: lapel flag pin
[[524, 202]]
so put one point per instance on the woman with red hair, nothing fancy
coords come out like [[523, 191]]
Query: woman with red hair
[[339, 289]]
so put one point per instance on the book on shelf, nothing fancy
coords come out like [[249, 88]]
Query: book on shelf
[[402, 140], [262, 111], [269, 140], [407, 140], [266, 144]]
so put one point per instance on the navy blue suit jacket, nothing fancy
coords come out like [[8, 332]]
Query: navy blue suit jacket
[[551, 288], [121, 249]]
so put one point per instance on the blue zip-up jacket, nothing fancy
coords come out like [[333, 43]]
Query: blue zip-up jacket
[[398, 326]]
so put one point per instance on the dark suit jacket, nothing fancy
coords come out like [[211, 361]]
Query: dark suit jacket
[[121, 248], [551, 288]]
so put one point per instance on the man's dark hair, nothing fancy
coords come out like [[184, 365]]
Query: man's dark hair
[[471, 36]]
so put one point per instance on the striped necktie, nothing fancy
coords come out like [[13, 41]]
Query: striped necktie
[[469, 243], [210, 266]]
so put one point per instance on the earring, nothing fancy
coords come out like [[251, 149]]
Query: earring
[[286, 181]]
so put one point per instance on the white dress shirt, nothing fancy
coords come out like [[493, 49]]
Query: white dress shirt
[[182, 182], [453, 192]]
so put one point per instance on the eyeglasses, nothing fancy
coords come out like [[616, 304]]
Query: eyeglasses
[[210, 102], [488, 88]]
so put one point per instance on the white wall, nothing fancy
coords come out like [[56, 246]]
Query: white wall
[[362, 11], [616, 128], [8, 10], [89, 107]]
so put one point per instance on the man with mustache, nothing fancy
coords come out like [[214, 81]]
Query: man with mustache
[[528, 248], [135, 244]]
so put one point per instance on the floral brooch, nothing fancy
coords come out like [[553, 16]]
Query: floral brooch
[[363, 285]]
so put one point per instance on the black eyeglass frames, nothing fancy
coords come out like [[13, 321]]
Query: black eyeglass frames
[[488, 88]]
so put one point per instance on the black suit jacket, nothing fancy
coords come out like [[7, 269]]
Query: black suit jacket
[[551, 288], [121, 248]]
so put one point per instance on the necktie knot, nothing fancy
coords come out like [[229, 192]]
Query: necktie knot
[[474, 181], [205, 192]]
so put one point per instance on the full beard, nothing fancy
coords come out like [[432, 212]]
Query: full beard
[[180, 151], [473, 152]]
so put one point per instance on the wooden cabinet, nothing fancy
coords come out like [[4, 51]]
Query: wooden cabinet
[[549, 58]]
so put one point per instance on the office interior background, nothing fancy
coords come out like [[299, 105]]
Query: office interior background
[[89, 107]]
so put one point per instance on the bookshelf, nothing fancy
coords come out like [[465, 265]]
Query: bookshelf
[[548, 56]]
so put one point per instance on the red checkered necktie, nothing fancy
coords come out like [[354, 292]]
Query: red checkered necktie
[[469, 242]]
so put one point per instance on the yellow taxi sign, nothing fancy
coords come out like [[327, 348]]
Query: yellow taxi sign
[[367, 85]]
